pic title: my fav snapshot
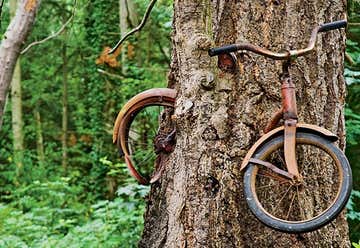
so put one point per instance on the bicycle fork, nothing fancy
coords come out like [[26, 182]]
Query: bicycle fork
[[288, 113], [290, 121]]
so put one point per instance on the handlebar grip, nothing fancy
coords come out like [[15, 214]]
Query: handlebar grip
[[221, 50], [332, 25]]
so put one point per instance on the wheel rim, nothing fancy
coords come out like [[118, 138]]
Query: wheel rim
[[141, 128], [295, 203]]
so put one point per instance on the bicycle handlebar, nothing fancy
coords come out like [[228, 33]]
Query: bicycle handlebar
[[284, 55], [332, 26]]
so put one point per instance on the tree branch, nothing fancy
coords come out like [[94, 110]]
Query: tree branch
[[17, 31], [47, 38], [1, 6], [349, 58], [137, 29], [109, 74], [53, 35], [354, 24]]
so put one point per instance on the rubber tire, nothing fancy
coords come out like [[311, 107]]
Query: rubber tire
[[307, 225]]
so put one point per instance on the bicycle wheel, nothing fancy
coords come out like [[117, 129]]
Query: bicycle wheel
[[137, 130], [312, 202]]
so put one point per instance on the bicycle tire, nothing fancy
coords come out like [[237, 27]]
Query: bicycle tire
[[154, 97], [255, 181]]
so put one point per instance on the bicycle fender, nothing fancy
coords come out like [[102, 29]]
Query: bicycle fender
[[275, 132], [140, 99]]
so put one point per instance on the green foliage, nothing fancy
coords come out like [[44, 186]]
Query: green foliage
[[51, 214], [352, 127], [353, 213], [356, 245], [94, 202], [352, 116]]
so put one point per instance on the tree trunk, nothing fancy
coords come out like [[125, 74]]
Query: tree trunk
[[39, 138], [64, 108], [199, 200], [127, 19], [17, 121], [16, 109], [14, 37]]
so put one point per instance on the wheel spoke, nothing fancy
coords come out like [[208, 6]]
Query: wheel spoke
[[271, 185], [299, 203], [292, 200], [282, 198], [273, 176], [288, 202]]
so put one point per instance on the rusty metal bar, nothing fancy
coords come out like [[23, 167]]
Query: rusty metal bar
[[274, 121], [272, 167], [288, 99], [291, 54], [290, 147]]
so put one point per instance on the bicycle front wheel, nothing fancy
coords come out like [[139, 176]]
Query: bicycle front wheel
[[138, 133], [308, 204]]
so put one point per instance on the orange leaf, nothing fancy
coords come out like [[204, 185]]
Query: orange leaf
[[131, 51], [109, 59], [30, 5]]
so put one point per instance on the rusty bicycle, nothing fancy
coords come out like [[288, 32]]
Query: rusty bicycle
[[283, 188], [134, 134]]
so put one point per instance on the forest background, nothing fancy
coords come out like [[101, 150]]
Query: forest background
[[62, 183]]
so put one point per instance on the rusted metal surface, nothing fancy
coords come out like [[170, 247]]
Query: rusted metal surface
[[274, 121], [279, 131], [258, 143], [165, 144], [272, 167], [162, 94], [318, 130], [262, 51], [157, 96], [288, 99], [227, 62], [291, 54], [134, 172], [290, 147], [290, 119]]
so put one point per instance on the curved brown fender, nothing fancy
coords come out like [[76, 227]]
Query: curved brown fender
[[155, 92], [156, 96], [299, 126]]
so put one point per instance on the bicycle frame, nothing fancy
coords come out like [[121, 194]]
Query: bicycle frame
[[288, 112]]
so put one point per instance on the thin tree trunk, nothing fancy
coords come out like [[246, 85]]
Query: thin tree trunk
[[123, 20], [16, 109], [64, 161], [127, 18], [39, 138], [17, 121], [15, 35], [199, 200]]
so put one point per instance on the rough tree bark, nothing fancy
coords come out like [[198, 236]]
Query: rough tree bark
[[199, 199], [14, 37]]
